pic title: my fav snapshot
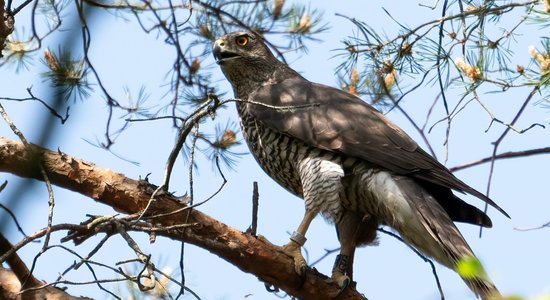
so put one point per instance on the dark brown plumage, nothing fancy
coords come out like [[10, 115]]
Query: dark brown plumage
[[347, 160]]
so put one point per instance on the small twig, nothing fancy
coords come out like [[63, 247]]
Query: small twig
[[32, 97], [545, 225], [327, 253], [194, 118], [88, 264], [224, 182], [255, 202], [280, 107], [198, 203], [192, 164], [129, 240], [51, 200], [500, 139], [42, 232], [511, 154], [419, 255], [14, 218], [432, 7], [148, 268], [13, 128], [92, 252]]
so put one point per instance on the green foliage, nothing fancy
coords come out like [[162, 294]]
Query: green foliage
[[17, 52], [67, 74], [470, 268], [467, 49]]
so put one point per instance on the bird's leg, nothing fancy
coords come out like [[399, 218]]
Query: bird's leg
[[342, 271], [297, 240]]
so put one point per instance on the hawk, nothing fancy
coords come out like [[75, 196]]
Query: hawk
[[348, 162]]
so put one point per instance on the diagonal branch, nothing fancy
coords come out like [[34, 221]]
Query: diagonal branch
[[510, 154], [131, 196], [18, 282]]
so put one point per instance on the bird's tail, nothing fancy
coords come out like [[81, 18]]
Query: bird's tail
[[431, 230], [483, 287]]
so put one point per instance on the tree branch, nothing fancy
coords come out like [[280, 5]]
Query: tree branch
[[18, 283], [511, 154], [6, 25], [131, 196]]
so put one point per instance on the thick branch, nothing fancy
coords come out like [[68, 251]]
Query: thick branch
[[131, 196], [19, 278]]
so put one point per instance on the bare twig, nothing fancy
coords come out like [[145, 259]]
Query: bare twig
[[32, 97], [501, 138], [432, 265], [325, 255], [14, 218], [51, 199], [545, 225], [510, 154], [255, 199]]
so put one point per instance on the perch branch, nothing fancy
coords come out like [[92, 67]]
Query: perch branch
[[130, 196]]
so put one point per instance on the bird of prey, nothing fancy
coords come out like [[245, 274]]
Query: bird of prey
[[348, 162]]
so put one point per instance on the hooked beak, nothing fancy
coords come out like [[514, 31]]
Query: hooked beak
[[221, 54]]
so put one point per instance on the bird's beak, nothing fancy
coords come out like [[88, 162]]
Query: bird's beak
[[221, 53]]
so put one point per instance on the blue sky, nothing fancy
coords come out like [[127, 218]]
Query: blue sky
[[517, 261]]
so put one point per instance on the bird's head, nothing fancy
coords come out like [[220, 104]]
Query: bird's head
[[239, 47], [247, 62]]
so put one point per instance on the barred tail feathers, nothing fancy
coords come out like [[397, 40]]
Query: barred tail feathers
[[447, 237], [422, 222]]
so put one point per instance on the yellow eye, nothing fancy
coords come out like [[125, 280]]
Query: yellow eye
[[242, 40]]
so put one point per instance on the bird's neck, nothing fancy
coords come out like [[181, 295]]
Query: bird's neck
[[253, 76]]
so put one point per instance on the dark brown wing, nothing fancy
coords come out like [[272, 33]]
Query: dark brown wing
[[334, 120]]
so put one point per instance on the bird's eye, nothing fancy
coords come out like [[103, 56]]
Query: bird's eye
[[242, 40]]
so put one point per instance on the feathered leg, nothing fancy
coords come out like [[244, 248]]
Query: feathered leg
[[353, 230], [322, 186]]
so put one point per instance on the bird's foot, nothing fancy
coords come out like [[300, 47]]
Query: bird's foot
[[294, 250], [342, 280], [339, 270]]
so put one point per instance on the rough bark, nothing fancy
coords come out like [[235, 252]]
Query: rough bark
[[131, 196], [19, 278], [6, 25], [10, 288]]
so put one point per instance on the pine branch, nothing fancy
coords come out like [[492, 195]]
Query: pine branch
[[511, 154], [18, 278], [130, 196]]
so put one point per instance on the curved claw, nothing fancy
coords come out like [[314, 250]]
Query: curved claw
[[339, 271], [303, 275], [342, 280], [343, 285], [295, 251], [271, 288]]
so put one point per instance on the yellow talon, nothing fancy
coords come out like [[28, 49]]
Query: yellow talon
[[295, 251]]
